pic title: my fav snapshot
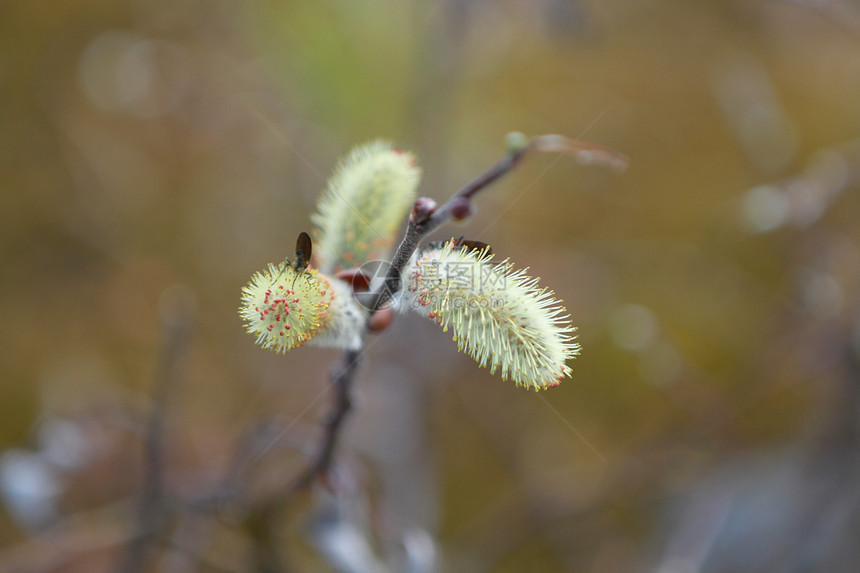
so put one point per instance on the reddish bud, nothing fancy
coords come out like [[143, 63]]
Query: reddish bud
[[381, 319], [461, 208], [423, 208], [357, 278]]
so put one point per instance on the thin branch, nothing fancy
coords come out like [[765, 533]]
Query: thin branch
[[342, 380], [420, 226], [424, 219], [153, 510], [262, 517]]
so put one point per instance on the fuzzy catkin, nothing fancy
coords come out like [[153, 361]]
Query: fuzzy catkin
[[284, 308], [365, 200], [499, 315], [346, 320]]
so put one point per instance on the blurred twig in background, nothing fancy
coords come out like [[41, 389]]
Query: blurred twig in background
[[155, 506]]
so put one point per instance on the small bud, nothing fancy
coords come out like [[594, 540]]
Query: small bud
[[423, 209], [461, 208], [381, 320], [358, 279], [516, 142]]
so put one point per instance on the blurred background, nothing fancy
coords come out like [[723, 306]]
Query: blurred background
[[155, 154]]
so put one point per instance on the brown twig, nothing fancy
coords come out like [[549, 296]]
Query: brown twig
[[424, 221], [426, 218], [261, 519], [342, 379], [153, 509]]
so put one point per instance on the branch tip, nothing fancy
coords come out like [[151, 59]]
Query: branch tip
[[516, 142], [423, 209], [584, 151]]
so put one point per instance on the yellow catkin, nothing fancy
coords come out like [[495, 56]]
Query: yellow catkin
[[499, 315], [284, 308], [365, 201]]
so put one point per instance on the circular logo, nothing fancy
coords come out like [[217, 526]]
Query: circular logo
[[376, 273]]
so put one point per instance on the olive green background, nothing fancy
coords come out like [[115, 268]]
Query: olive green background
[[152, 146]]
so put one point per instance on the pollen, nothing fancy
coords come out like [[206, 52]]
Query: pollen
[[499, 315], [289, 318]]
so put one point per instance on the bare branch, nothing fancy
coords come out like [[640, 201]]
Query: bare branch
[[153, 510], [421, 225], [424, 219], [342, 379]]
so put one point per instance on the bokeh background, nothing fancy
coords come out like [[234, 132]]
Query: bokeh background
[[154, 154]]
